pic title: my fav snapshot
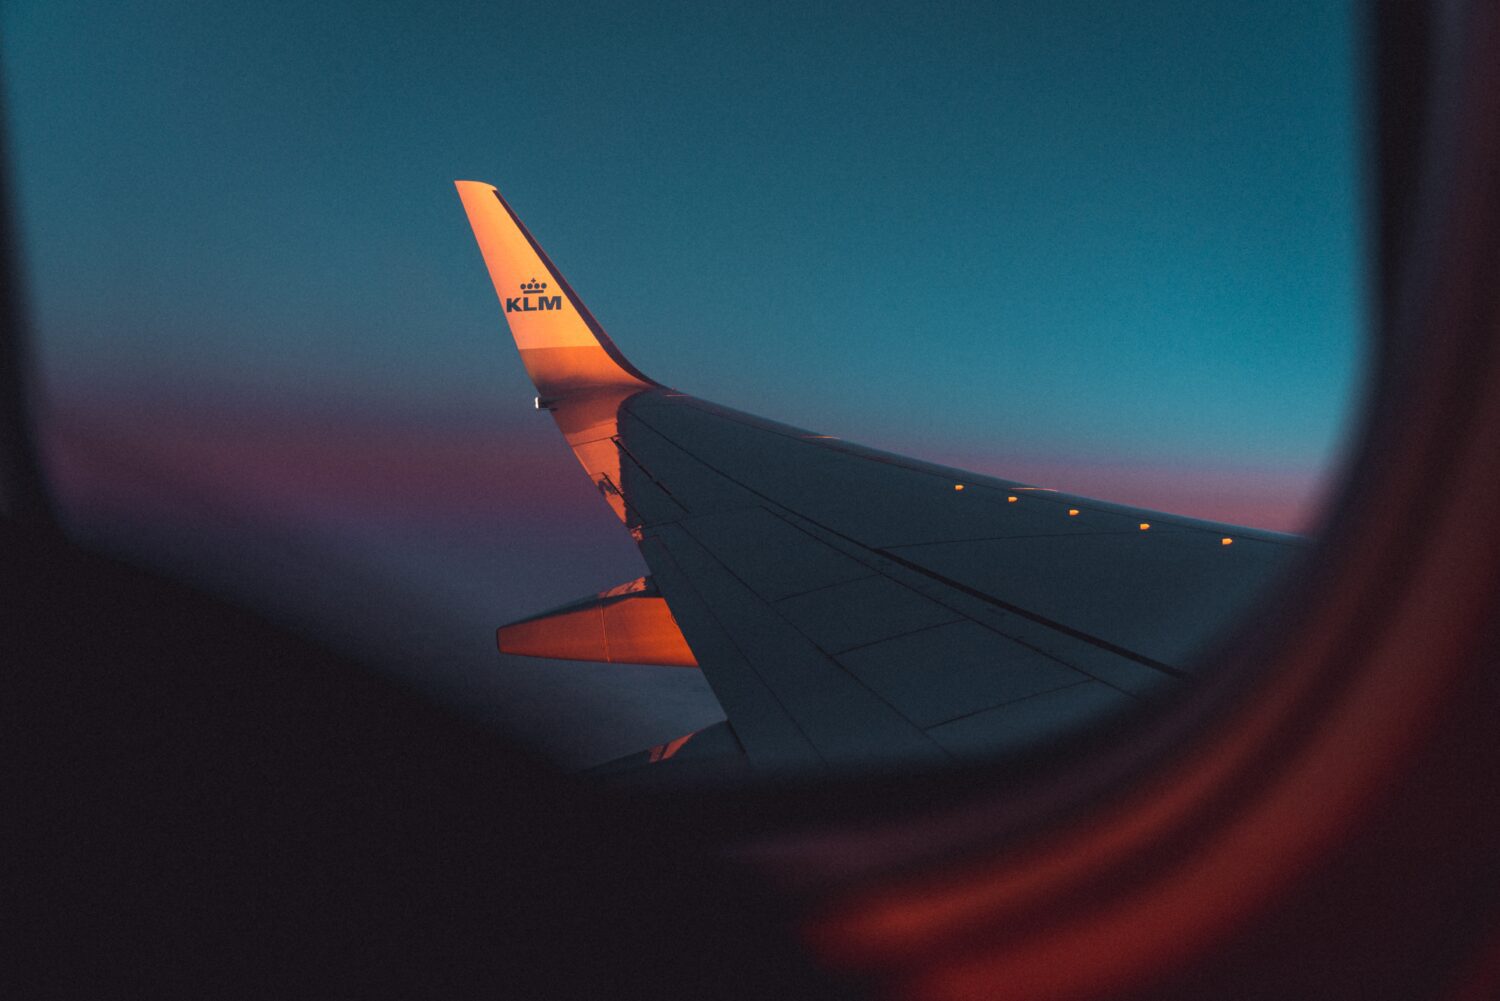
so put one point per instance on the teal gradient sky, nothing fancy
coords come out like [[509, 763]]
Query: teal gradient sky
[[1117, 248]]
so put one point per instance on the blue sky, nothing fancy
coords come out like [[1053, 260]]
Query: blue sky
[[1117, 247]]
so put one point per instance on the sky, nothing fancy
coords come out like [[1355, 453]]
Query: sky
[[1113, 248]]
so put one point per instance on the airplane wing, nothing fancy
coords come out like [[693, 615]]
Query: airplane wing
[[848, 606]]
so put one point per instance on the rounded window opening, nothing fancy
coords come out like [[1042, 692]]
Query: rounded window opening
[[1061, 315]]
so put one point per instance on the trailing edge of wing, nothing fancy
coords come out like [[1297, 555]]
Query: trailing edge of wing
[[562, 346]]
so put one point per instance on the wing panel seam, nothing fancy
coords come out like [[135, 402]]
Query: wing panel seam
[[1077, 634], [827, 655], [728, 636]]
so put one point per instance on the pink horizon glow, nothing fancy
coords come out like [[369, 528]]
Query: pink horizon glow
[[169, 455], [156, 456]]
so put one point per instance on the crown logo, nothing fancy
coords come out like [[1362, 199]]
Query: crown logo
[[533, 287]]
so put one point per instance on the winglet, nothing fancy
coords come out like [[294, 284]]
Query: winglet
[[562, 346]]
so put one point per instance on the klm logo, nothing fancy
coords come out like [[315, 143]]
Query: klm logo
[[523, 303]]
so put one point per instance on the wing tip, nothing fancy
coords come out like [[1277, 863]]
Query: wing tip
[[589, 358]]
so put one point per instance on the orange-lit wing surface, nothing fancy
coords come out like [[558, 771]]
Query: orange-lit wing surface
[[853, 607], [626, 625], [561, 344]]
